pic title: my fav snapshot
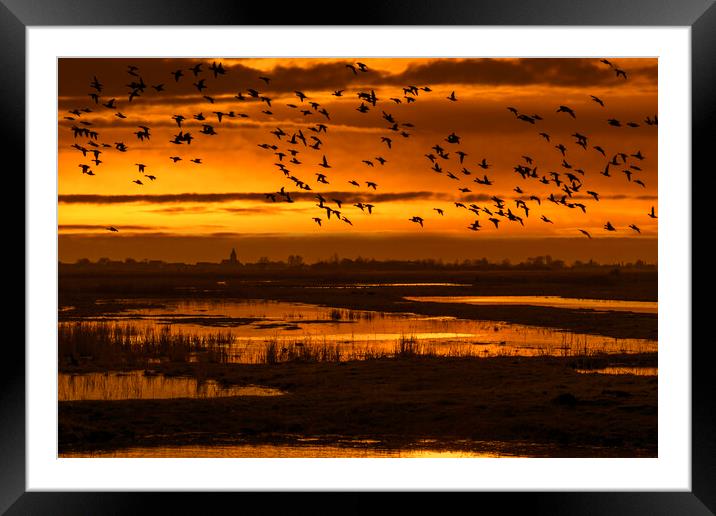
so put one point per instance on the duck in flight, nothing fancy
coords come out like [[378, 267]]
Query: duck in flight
[[568, 110]]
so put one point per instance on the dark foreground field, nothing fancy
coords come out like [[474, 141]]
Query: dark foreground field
[[527, 404], [533, 406]]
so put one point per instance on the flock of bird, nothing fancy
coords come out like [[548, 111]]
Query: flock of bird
[[303, 147]]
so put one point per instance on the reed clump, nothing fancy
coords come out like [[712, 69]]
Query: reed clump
[[275, 352], [115, 344]]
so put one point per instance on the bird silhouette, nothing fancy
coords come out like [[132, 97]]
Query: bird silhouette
[[568, 110]]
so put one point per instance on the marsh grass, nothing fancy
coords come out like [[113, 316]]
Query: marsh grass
[[306, 350], [338, 314], [277, 350], [114, 344], [122, 345]]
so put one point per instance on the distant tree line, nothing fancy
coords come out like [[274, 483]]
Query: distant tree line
[[296, 262]]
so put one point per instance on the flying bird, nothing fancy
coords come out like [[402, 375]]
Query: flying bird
[[565, 109]]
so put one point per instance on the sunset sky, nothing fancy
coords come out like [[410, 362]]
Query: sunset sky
[[192, 212]]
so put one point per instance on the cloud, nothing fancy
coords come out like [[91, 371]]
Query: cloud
[[240, 196], [346, 197], [84, 227], [493, 72], [76, 74]]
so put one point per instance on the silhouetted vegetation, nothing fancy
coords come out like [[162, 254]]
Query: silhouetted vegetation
[[295, 262], [118, 345]]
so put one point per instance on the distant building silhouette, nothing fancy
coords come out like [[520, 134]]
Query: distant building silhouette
[[233, 260]]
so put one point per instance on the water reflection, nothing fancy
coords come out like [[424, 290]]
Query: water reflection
[[637, 371], [551, 301], [138, 385], [381, 285], [283, 451], [357, 334]]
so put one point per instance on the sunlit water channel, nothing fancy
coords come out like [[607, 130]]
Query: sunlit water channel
[[358, 333], [602, 305], [137, 385], [281, 451]]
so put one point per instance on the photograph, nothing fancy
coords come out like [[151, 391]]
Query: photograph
[[358, 257]]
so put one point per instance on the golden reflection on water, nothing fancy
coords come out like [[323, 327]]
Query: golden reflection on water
[[136, 385], [265, 451], [637, 371], [551, 301], [359, 333]]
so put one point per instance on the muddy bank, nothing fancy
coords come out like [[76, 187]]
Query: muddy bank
[[541, 401]]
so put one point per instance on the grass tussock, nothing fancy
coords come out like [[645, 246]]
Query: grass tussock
[[275, 352], [114, 344], [337, 314]]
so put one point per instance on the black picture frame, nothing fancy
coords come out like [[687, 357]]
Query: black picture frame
[[699, 15]]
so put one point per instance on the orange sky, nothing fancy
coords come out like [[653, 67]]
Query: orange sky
[[225, 194]]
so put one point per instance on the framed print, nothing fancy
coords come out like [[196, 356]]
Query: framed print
[[433, 250]]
